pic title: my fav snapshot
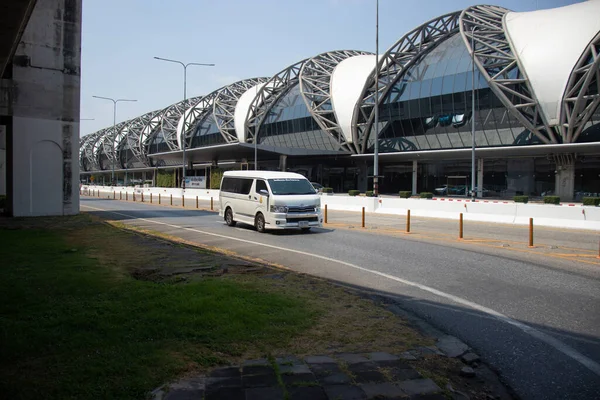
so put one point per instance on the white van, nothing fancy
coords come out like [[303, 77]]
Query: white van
[[269, 200]]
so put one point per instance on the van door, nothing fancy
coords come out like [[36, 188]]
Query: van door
[[261, 201], [245, 204]]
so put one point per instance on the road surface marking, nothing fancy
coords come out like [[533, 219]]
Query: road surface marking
[[557, 344]]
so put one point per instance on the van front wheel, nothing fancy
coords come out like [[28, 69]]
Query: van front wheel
[[229, 217], [259, 223]]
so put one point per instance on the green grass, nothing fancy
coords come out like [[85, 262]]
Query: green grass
[[72, 327]]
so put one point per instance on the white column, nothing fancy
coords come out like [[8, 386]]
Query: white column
[[480, 178], [415, 176], [565, 181]]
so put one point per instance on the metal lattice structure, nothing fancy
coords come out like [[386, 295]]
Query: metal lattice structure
[[170, 121], [134, 134], [148, 134], [501, 68], [224, 106], [393, 65], [87, 150], [315, 88], [268, 96], [582, 94], [112, 140], [196, 115]]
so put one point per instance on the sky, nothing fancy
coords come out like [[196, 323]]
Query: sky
[[243, 38]]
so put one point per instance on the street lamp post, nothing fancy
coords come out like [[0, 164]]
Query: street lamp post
[[183, 144], [115, 101], [376, 125], [473, 170]]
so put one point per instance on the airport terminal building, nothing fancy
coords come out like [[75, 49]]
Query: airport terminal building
[[535, 80]]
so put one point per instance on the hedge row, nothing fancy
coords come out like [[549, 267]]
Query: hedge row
[[591, 201], [551, 200], [521, 199]]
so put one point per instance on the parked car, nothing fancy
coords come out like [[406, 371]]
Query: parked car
[[441, 190]]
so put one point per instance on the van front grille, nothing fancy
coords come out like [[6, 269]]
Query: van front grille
[[295, 209], [298, 219]]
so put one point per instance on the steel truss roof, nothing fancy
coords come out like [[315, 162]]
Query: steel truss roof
[[393, 65], [315, 88], [87, 151], [148, 134], [170, 121], [501, 68], [112, 140], [582, 94], [134, 133], [273, 90], [224, 106]]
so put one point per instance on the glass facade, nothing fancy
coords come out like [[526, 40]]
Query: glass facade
[[289, 124], [207, 133], [430, 107]]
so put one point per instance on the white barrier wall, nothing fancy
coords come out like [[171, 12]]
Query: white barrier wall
[[561, 216], [190, 194]]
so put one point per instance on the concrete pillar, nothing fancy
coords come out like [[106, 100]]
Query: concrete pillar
[[282, 162], [480, 177], [565, 181], [39, 108], [415, 176], [363, 177], [2, 160]]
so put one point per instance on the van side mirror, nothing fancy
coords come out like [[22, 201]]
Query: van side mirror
[[263, 192]]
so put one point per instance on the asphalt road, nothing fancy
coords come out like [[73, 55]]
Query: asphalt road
[[533, 318]]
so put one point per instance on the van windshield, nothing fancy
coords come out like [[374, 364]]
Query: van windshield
[[285, 186]]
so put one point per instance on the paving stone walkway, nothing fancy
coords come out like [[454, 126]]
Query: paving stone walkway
[[340, 377]]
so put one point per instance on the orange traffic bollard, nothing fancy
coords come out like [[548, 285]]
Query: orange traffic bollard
[[159, 198], [363, 217], [407, 221], [171, 199], [126, 195], [150, 197], [182, 201], [530, 232], [114, 195], [120, 195], [196, 201], [325, 213], [460, 226], [211, 204], [142, 197]]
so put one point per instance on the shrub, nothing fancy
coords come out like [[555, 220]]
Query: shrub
[[405, 194], [551, 199], [591, 201], [353, 192], [369, 193], [426, 195], [216, 174], [521, 199], [327, 190], [165, 179]]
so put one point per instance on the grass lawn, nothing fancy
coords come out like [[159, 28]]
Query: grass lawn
[[71, 328], [75, 323]]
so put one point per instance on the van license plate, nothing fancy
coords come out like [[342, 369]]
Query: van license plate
[[303, 224]]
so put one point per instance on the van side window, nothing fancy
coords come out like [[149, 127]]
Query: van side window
[[236, 185], [245, 185], [261, 185]]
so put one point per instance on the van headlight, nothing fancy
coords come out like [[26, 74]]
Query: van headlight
[[279, 209]]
